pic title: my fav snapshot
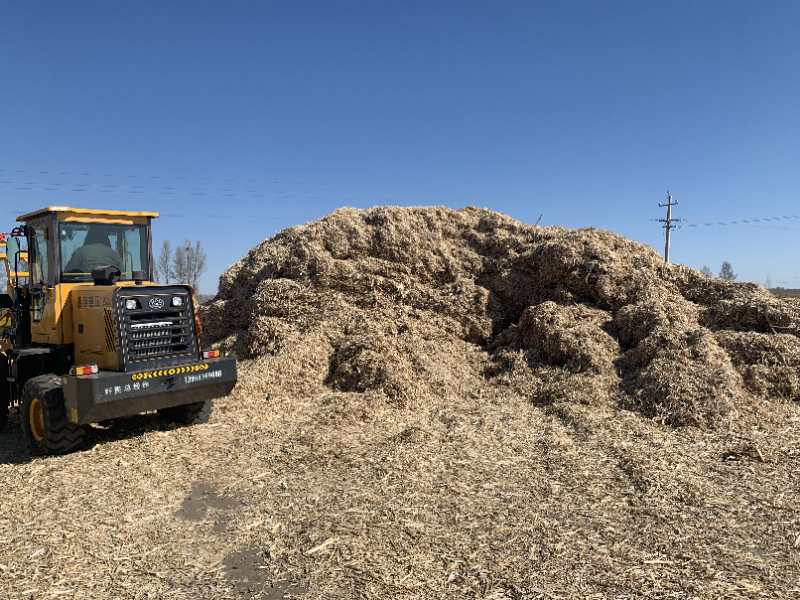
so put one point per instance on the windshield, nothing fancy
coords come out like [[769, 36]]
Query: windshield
[[88, 246]]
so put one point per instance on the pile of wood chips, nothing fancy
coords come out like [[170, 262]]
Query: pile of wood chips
[[438, 403]]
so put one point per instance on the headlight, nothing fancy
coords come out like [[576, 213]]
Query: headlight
[[131, 304], [177, 301]]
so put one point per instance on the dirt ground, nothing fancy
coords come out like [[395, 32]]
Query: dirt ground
[[348, 497]]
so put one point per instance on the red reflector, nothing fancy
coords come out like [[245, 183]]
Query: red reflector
[[211, 354]]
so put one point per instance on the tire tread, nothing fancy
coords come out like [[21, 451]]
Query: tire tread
[[60, 436]]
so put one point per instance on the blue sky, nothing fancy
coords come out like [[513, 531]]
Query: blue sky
[[237, 119]]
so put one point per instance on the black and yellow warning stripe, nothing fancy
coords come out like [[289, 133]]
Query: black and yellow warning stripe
[[171, 371]]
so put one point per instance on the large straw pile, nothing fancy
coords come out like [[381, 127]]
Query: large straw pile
[[444, 404], [409, 302]]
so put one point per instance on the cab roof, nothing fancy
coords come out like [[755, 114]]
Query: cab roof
[[96, 212]]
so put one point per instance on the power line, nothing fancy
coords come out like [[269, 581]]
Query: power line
[[764, 222], [27, 186], [175, 195], [748, 221], [86, 181], [7, 172]]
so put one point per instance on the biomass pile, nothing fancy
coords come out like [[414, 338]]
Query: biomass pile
[[415, 303], [444, 404]]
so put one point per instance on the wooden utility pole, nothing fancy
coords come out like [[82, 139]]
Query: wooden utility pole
[[668, 224]]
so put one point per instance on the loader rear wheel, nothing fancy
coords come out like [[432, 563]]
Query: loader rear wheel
[[44, 417], [187, 414]]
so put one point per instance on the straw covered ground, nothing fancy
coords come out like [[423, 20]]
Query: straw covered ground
[[438, 403]]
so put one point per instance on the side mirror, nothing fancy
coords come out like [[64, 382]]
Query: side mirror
[[6, 302]]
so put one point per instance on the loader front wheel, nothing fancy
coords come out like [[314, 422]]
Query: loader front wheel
[[44, 417], [187, 414]]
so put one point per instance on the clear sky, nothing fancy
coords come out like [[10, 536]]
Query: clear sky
[[237, 119]]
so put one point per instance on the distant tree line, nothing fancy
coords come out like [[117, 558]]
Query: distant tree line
[[185, 264], [725, 272]]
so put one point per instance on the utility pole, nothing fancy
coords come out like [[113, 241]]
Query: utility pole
[[668, 223]]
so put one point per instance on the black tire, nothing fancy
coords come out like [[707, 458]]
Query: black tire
[[3, 410], [187, 414], [5, 395], [46, 428]]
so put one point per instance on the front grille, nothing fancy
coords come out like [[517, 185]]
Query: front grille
[[156, 333]]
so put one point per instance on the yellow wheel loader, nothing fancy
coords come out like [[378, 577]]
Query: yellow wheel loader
[[85, 334]]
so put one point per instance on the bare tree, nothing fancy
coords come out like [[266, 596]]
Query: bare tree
[[189, 263], [180, 269], [706, 271], [164, 265], [199, 263], [726, 272]]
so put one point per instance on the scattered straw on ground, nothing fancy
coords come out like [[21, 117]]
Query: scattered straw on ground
[[439, 403]]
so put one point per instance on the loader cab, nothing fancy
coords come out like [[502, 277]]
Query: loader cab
[[65, 244], [64, 247]]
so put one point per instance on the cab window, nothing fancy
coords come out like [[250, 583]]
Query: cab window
[[39, 255], [88, 246]]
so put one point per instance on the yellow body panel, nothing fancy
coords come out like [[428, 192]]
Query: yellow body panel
[[64, 311], [67, 217], [90, 306], [85, 214], [106, 220], [47, 328]]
